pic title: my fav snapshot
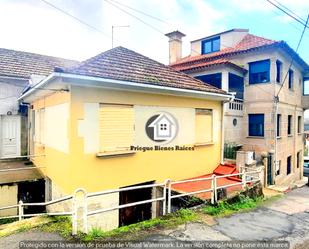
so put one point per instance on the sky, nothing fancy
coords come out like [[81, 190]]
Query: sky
[[34, 26]]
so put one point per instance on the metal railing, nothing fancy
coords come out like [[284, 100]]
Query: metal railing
[[20, 206], [166, 198]]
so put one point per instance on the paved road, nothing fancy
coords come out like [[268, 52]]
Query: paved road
[[285, 219], [12, 242]]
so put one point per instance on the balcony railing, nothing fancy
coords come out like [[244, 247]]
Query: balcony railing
[[236, 104]]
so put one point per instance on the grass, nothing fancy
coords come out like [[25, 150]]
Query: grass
[[7, 221], [172, 220], [224, 208], [58, 224]]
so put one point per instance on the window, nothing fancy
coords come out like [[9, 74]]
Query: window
[[288, 165], [116, 126], [211, 45], [299, 124], [290, 124], [212, 79], [278, 71], [259, 72], [256, 125], [278, 125], [39, 126], [306, 86], [291, 79], [278, 167], [298, 159], [236, 84], [203, 126]]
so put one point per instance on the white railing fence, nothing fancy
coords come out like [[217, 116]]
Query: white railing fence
[[80, 198]]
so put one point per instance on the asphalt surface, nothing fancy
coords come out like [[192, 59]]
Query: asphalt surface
[[286, 219]]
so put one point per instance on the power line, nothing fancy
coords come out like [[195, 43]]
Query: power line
[[137, 18], [290, 15], [286, 75], [142, 12], [291, 11], [76, 18]]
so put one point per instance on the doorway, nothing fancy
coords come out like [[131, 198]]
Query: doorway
[[10, 136], [137, 213], [30, 192]]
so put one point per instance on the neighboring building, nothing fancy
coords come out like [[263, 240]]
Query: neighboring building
[[87, 132], [17, 70], [254, 68]]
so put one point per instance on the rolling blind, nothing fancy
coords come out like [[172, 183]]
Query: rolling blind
[[116, 127]]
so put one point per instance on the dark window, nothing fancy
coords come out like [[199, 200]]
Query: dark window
[[256, 125], [306, 86], [278, 72], [288, 165], [299, 124], [278, 125], [298, 158], [259, 72], [291, 79], [278, 169], [236, 84], [212, 79], [289, 124], [211, 45]]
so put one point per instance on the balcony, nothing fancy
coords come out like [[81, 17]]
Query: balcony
[[235, 107]]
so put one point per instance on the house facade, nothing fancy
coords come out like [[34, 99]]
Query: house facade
[[18, 69], [267, 113], [99, 133]]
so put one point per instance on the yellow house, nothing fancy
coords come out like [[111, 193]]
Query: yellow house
[[121, 119]]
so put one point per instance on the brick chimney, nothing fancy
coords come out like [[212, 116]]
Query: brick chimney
[[175, 45]]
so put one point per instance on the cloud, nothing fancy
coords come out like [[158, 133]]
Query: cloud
[[34, 26]]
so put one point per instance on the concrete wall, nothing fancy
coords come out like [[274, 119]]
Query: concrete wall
[[259, 99], [8, 197]]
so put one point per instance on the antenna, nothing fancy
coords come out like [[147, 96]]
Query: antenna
[[117, 26]]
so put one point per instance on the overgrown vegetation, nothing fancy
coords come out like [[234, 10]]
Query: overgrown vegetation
[[58, 224], [223, 208], [180, 217], [6, 221]]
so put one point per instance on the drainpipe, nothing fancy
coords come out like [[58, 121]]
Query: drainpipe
[[276, 101]]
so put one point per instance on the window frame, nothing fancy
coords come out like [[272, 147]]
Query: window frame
[[211, 41], [210, 82], [279, 118], [251, 64], [251, 115], [290, 125], [299, 124], [278, 71], [298, 163], [289, 165], [291, 80]]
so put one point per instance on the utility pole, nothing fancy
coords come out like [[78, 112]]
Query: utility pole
[[117, 26]]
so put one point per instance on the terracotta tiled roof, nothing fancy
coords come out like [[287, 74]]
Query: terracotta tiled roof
[[23, 64], [204, 64], [123, 64], [247, 44]]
